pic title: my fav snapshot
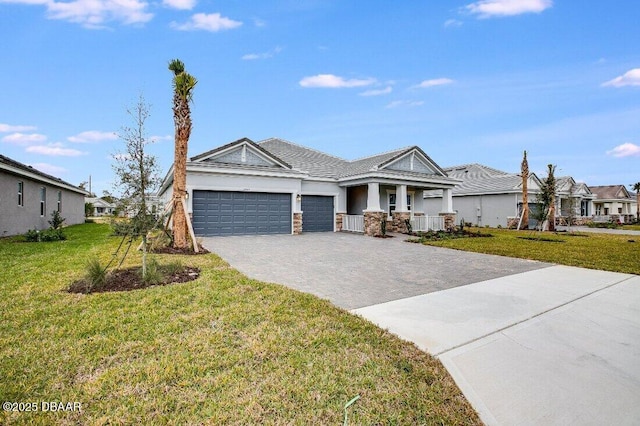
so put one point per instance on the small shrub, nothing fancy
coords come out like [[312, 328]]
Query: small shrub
[[407, 223], [153, 274], [96, 275], [32, 236], [52, 235], [57, 220], [35, 236], [383, 226], [172, 268]]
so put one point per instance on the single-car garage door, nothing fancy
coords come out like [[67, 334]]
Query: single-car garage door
[[317, 213], [241, 213]]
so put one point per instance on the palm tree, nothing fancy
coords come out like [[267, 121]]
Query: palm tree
[[551, 188], [636, 188], [183, 84], [524, 170]]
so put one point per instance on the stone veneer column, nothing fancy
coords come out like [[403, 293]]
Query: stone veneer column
[[372, 221], [399, 224], [297, 223], [449, 221], [339, 219]]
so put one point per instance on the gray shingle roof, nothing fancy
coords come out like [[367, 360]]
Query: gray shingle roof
[[309, 160], [481, 179], [319, 164], [23, 167], [610, 192]]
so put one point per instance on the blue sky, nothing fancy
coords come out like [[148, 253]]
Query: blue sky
[[466, 81]]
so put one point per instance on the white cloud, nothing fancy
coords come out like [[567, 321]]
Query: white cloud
[[377, 92], [434, 82], [630, 78], [625, 150], [92, 136], [6, 128], [180, 4], [157, 138], [213, 22], [95, 14], [54, 149], [48, 168], [452, 23], [24, 139], [396, 104], [334, 82], [265, 55], [499, 8]]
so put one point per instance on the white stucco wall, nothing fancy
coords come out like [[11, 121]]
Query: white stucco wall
[[493, 209], [220, 182]]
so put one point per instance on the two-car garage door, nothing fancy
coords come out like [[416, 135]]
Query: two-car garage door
[[241, 213], [220, 213]]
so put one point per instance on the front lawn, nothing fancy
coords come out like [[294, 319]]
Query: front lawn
[[222, 349], [618, 253]]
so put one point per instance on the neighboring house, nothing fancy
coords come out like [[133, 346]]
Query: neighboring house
[[101, 207], [486, 196], [278, 187], [613, 202], [28, 197], [130, 207], [491, 197]]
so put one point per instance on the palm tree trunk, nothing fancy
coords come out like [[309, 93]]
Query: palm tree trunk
[[182, 117], [524, 169]]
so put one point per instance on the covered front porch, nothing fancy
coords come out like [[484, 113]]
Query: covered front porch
[[378, 206]]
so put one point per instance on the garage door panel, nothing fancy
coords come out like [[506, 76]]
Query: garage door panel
[[241, 213], [317, 213]]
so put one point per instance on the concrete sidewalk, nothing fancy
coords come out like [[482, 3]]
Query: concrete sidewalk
[[558, 345]]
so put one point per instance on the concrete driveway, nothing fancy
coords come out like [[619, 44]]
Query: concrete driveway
[[353, 271], [528, 343]]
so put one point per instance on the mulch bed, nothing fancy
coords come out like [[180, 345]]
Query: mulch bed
[[187, 251], [131, 279]]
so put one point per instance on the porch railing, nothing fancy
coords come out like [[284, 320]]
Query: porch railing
[[353, 223], [427, 223]]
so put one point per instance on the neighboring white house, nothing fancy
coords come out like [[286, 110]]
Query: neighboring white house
[[28, 197], [491, 197], [101, 207], [278, 187], [613, 202]]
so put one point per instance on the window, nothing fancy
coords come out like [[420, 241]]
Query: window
[[59, 201], [21, 194], [392, 203], [43, 201]]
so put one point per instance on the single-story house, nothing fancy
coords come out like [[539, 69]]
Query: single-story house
[[491, 197], [613, 202], [28, 197], [278, 187], [101, 207]]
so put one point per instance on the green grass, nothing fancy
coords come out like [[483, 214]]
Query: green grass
[[588, 250], [223, 349], [631, 227]]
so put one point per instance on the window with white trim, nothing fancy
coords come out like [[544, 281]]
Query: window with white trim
[[59, 201], [21, 194], [43, 201], [392, 202]]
